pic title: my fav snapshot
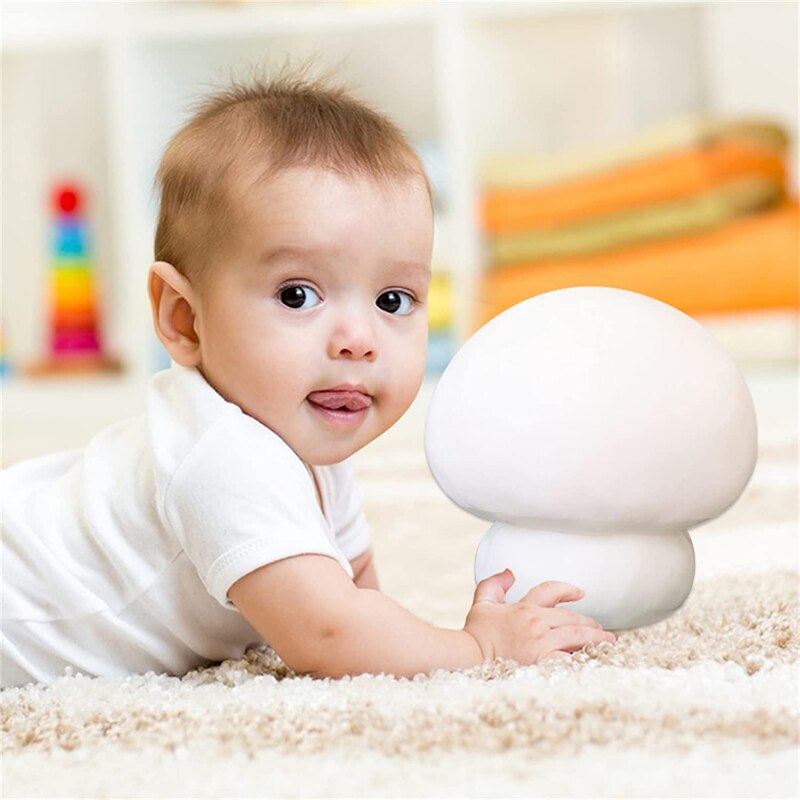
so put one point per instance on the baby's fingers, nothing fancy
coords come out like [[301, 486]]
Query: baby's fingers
[[550, 593], [555, 617], [570, 638], [555, 655]]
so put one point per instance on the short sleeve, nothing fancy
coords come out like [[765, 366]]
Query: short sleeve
[[350, 524], [242, 499]]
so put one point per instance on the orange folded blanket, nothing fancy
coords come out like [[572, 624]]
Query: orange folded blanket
[[671, 176], [749, 264]]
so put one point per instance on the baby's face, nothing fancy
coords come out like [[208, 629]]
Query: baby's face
[[328, 286]]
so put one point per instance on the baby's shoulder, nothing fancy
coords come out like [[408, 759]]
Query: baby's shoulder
[[192, 428], [240, 454]]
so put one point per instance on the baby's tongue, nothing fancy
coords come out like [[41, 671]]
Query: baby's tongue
[[352, 401]]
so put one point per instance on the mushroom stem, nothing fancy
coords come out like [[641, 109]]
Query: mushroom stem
[[629, 578]]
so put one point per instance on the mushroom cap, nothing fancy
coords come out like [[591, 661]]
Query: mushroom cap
[[592, 409]]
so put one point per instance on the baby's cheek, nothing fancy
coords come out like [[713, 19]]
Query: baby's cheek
[[412, 378]]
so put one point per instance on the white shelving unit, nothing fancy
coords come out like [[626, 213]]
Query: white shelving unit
[[95, 90]]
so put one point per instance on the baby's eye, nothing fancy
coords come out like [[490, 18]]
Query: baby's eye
[[296, 296], [392, 300]]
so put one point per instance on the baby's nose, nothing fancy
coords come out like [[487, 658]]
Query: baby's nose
[[356, 351], [354, 339]]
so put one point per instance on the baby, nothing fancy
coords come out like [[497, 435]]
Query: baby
[[292, 263]]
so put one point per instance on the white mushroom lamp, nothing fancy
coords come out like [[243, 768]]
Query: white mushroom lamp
[[593, 427]]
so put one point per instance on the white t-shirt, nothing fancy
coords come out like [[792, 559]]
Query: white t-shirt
[[117, 558]]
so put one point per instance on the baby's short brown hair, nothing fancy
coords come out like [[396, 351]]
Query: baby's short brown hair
[[248, 132]]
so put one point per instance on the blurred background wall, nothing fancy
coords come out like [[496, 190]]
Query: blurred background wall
[[649, 146]]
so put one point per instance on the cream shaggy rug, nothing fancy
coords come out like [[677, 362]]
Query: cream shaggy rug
[[703, 704]]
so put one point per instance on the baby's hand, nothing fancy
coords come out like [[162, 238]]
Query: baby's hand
[[530, 630]]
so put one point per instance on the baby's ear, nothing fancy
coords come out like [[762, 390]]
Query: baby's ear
[[172, 302]]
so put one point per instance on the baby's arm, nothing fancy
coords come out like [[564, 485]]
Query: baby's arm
[[364, 575], [320, 623], [323, 625]]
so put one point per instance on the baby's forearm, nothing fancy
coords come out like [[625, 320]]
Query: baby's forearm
[[380, 635]]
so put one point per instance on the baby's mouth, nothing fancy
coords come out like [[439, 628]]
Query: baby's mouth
[[343, 408], [341, 400]]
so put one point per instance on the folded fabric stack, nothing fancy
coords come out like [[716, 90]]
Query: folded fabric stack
[[695, 213]]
